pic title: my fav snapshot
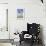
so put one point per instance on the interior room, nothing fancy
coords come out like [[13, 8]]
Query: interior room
[[22, 23]]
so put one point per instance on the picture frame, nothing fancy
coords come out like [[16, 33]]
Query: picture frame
[[20, 13]]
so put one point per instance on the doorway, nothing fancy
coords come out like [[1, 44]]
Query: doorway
[[4, 33]]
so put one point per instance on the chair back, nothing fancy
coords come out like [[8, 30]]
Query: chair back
[[33, 28]]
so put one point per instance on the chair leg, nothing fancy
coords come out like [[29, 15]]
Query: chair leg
[[20, 42], [32, 42]]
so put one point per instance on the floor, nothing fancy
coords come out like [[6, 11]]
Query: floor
[[5, 44], [18, 44], [27, 44], [23, 44]]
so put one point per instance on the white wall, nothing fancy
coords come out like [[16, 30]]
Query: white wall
[[3, 1], [34, 12]]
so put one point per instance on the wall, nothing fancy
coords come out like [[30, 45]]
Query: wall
[[45, 30], [34, 12], [3, 1]]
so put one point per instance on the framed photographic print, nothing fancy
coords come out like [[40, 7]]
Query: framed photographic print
[[20, 13]]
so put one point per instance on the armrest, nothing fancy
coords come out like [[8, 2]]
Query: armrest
[[24, 32], [22, 35]]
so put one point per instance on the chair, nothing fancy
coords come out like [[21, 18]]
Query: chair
[[33, 30]]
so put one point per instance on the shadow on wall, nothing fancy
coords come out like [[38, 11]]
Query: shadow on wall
[[41, 34]]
